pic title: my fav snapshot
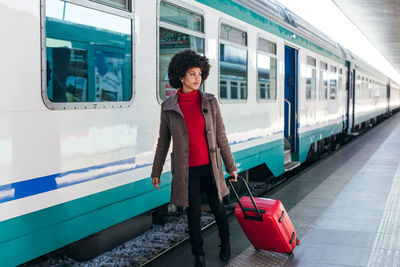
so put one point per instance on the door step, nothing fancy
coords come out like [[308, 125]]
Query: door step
[[291, 165], [354, 133]]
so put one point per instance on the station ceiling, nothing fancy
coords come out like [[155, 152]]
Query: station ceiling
[[379, 21]]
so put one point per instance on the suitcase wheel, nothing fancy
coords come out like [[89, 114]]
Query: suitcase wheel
[[257, 249], [291, 253]]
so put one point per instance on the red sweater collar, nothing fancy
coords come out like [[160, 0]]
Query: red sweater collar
[[188, 97]]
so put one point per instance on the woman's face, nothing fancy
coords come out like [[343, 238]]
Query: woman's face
[[192, 80]]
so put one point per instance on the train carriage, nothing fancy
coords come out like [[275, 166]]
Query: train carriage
[[82, 86]]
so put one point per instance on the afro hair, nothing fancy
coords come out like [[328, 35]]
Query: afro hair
[[184, 61]]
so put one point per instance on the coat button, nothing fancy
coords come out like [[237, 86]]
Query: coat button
[[209, 132], [212, 149]]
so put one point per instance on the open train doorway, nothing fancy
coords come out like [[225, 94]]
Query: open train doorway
[[290, 103]]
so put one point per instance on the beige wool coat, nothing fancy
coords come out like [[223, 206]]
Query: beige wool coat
[[172, 124]]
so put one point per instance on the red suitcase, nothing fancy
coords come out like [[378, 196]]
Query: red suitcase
[[265, 223]]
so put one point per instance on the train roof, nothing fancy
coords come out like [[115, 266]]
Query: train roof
[[281, 15], [278, 13]]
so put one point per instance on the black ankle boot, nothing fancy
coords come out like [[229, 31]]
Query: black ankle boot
[[225, 252], [199, 261]]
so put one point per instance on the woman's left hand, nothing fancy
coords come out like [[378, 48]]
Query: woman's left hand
[[235, 175]]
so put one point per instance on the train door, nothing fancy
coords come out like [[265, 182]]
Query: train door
[[388, 97], [349, 76], [290, 103], [350, 99]]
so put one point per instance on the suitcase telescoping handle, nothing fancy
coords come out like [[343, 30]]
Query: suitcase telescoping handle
[[246, 216]]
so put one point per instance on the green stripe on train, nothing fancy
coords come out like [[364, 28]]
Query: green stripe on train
[[269, 153], [310, 137], [238, 11]]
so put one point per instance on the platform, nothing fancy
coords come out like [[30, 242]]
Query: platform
[[344, 208]]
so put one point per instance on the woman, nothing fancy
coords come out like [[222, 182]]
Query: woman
[[193, 120]]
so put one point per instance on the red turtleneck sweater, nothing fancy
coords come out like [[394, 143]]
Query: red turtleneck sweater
[[190, 104]]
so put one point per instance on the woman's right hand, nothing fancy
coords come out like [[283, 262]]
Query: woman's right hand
[[156, 182]]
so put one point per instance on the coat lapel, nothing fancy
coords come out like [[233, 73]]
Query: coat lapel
[[172, 104]]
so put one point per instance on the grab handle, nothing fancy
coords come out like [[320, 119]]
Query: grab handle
[[289, 116], [246, 216]]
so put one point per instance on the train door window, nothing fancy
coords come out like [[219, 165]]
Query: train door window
[[88, 56], [311, 78], [323, 81], [180, 28], [332, 82], [233, 62], [266, 69]]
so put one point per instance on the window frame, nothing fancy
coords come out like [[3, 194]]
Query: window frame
[[102, 3], [86, 105], [177, 28], [357, 91], [333, 72], [223, 20], [316, 77], [325, 70], [273, 40], [340, 85]]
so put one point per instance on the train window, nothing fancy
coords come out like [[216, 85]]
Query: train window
[[340, 82], [266, 69], [323, 65], [266, 46], [181, 17], [179, 29], [363, 87], [311, 78], [223, 87], [358, 86], [232, 63], [370, 89], [88, 56], [375, 90], [332, 86], [124, 4], [311, 61], [323, 84], [266, 80], [233, 35], [333, 69]]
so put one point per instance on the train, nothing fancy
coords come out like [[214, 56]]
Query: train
[[82, 86]]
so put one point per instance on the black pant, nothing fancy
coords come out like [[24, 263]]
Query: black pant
[[201, 180]]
